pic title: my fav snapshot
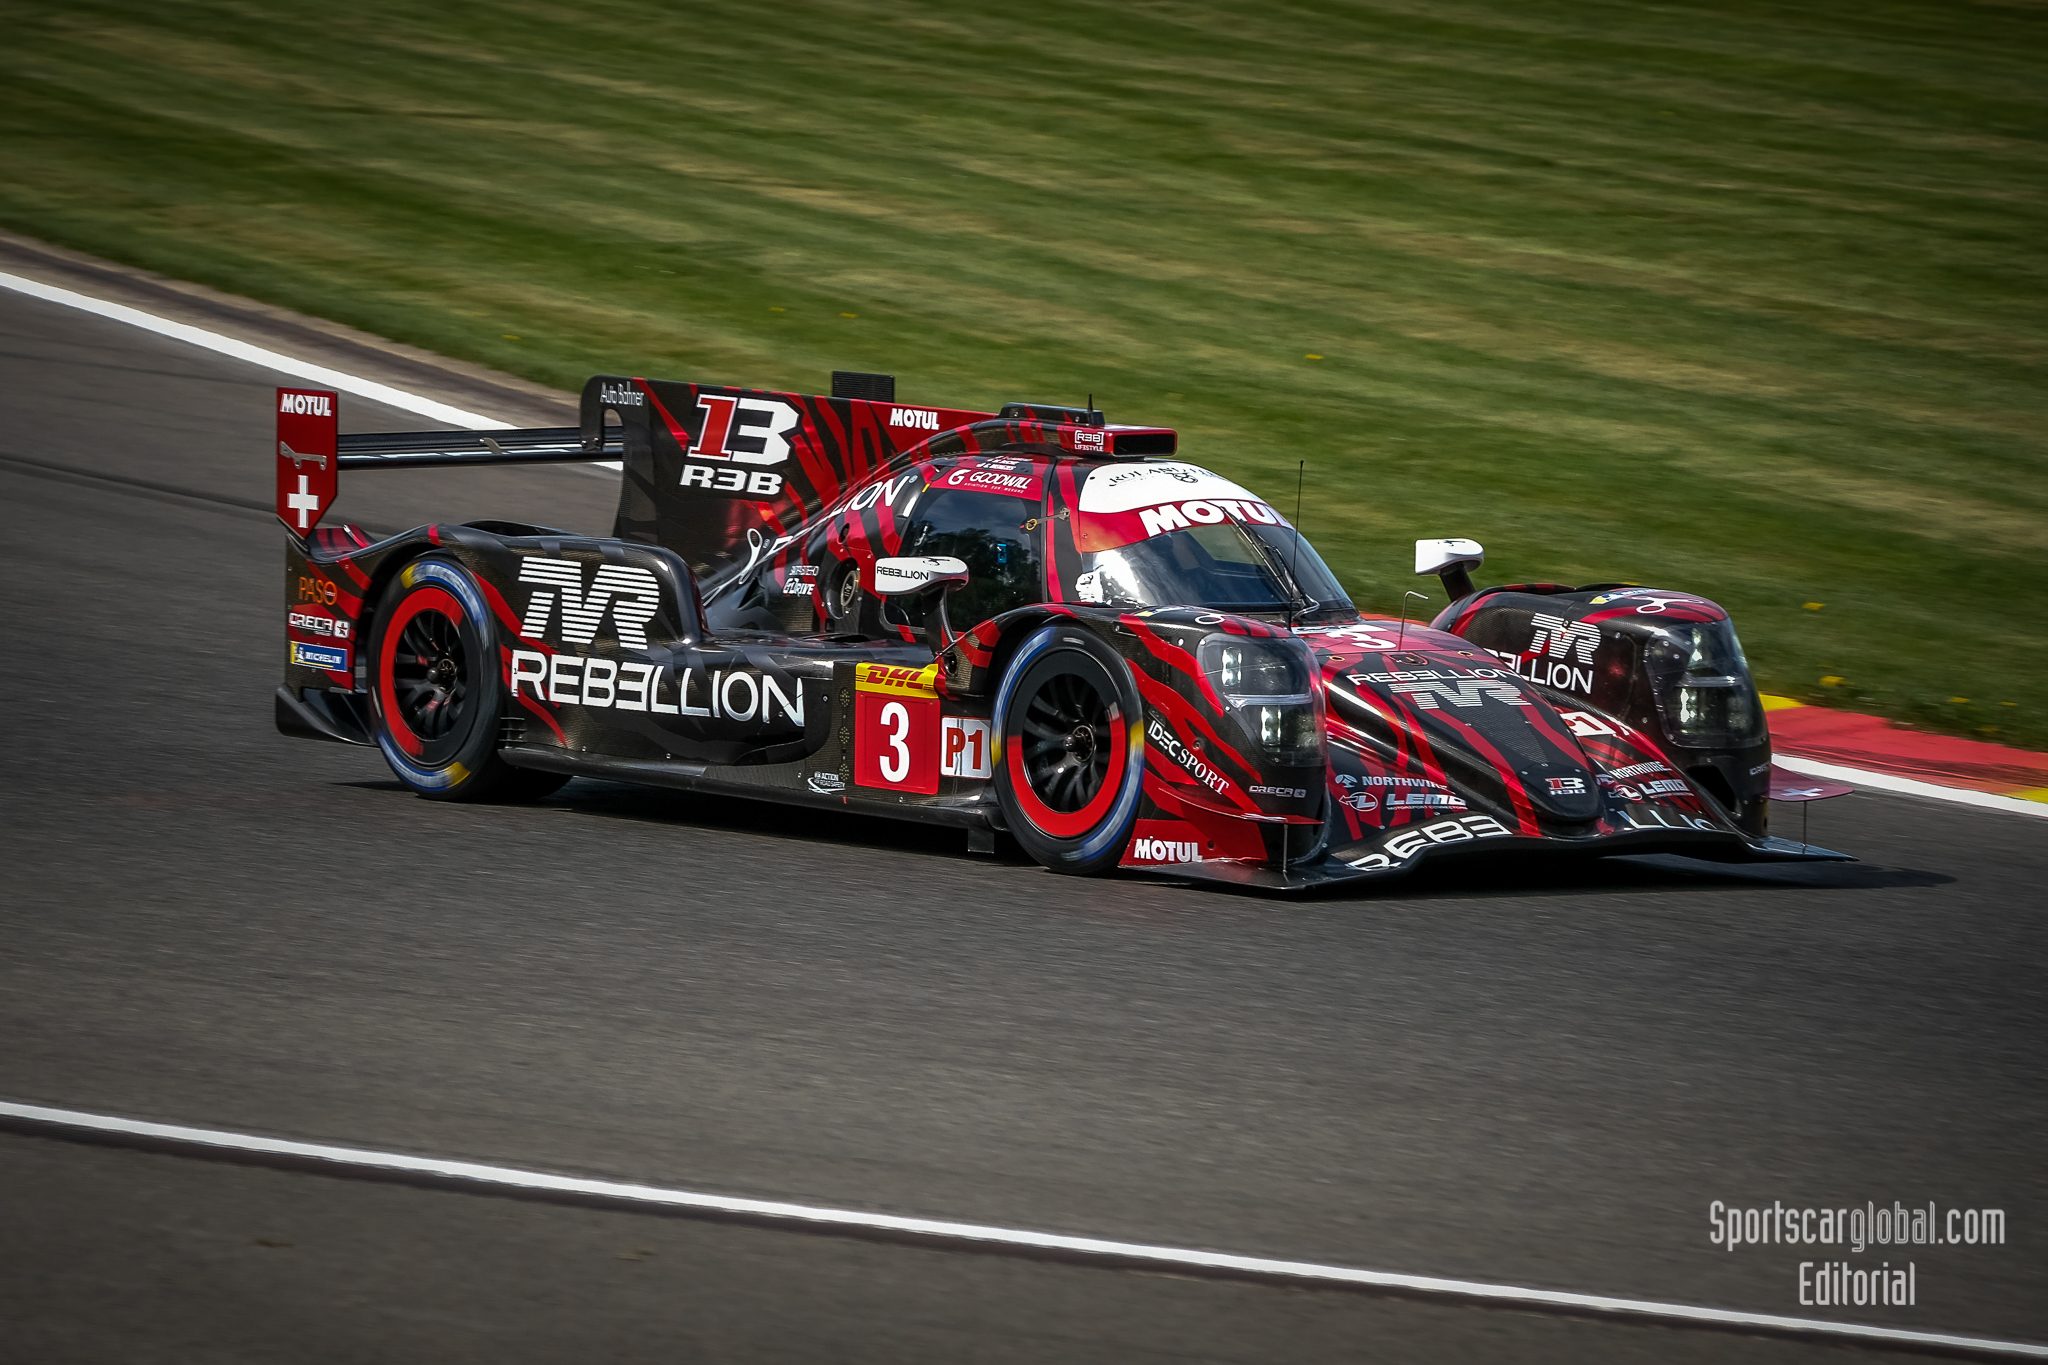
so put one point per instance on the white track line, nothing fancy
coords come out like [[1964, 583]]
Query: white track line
[[255, 355], [356, 1161], [442, 412], [1907, 786], [417, 404]]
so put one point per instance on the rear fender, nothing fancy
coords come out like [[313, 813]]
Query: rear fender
[[334, 589]]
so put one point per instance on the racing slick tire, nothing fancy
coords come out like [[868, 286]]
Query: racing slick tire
[[436, 689], [1069, 750]]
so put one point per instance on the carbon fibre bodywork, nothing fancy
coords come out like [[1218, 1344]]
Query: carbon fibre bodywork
[[728, 638]]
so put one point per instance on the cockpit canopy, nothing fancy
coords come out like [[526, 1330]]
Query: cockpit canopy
[[1126, 534]]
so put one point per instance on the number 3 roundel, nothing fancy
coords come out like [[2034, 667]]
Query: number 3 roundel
[[896, 728]]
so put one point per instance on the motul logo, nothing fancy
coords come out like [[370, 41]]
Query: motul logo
[[1178, 516], [306, 404], [920, 419], [630, 595], [1165, 850]]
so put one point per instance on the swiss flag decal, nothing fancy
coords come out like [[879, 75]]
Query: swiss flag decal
[[308, 427]]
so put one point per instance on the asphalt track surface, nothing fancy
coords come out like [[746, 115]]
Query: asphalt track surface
[[1536, 1075]]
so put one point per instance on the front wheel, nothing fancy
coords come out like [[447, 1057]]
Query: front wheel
[[1069, 750], [436, 689]]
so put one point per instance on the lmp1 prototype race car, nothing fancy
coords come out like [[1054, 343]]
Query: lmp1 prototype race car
[[1031, 621]]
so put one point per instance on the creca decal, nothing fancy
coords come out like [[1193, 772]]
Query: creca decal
[[711, 694], [897, 681], [319, 623]]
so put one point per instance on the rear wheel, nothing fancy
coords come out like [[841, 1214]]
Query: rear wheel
[[1069, 756], [436, 689]]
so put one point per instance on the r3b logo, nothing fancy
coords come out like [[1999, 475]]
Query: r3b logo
[[740, 431]]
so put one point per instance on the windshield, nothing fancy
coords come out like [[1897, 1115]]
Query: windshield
[[1231, 566]]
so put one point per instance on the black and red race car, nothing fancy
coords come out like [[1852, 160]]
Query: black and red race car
[[1031, 621]]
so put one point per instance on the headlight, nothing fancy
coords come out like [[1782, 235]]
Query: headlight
[[1266, 684], [1703, 688]]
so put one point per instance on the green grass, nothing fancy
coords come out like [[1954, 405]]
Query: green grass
[[1740, 298]]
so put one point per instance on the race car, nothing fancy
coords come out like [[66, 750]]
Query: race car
[[1032, 622]]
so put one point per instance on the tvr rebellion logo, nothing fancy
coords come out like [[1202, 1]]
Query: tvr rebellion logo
[[1431, 688], [629, 596], [1560, 653]]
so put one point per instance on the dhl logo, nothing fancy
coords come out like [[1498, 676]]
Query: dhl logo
[[895, 681]]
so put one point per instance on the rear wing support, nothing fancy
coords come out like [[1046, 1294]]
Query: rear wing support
[[425, 449]]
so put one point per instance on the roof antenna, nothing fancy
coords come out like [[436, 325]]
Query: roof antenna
[[1401, 636], [1300, 471]]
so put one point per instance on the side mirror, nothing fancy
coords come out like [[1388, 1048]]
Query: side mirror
[[905, 574], [1451, 559]]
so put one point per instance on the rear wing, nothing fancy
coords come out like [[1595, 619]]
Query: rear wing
[[312, 452]]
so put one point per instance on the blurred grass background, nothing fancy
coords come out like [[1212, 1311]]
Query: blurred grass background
[[1740, 298]]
